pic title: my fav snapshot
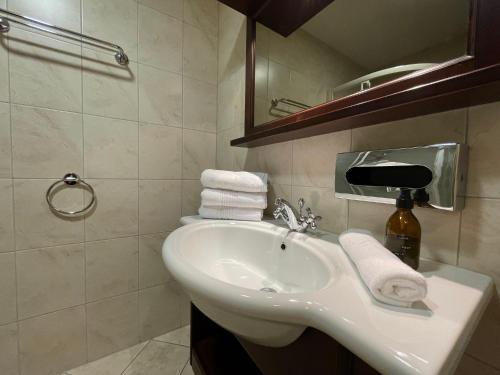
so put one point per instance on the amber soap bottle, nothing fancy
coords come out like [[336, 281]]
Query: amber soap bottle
[[402, 232]]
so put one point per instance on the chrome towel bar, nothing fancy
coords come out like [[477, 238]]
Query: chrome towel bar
[[293, 103], [70, 179], [120, 56]]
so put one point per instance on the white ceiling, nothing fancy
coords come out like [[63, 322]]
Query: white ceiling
[[375, 33]]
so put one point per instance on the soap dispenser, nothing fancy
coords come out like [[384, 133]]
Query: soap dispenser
[[402, 232]]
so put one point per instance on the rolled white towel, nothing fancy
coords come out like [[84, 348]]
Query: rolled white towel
[[228, 198], [251, 182], [386, 276], [231, 213]]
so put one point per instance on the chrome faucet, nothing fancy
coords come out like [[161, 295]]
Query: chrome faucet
[[296, 221]]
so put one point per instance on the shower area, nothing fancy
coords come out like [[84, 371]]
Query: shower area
[[100, 155]]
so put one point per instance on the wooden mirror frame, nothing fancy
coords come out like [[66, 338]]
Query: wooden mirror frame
[[465, 81]]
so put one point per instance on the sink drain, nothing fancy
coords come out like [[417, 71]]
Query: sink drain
[[268, 290]]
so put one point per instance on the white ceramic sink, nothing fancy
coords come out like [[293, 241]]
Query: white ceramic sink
[[224, 265]]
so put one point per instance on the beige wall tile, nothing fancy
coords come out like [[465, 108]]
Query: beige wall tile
[[5, 141], [159, 358], [6, 216], [159, 310], [276, 160], [483, 178], [4, 70], [322, 201], [480, 237], [112, 325], [8, 343], [199, 105], [232, 37], [160, 40], [417, 131], [185, 304], [44, 72], [50, 279], [202, 14], [36, 225], [230, 158], [63, 13], [46, 143], [440, 231], [199, 55], [314, 158], [113, 20], [159, 205], [116, 212], [469, 365], [231, 102], [109, 89], [370, 216], [160, 96], [110, 365], [111, 267], [52, 343], [8, 312], [160, 152], [111, 148], [191, 198], [152, 270], [171, 7], [199, 153]]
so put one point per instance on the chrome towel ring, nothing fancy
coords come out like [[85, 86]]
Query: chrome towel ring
[[70, 179]]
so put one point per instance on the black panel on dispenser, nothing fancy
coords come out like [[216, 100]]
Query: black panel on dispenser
[[411, 176]]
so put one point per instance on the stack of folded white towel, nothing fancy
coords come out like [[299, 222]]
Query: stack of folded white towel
[[233, 195]]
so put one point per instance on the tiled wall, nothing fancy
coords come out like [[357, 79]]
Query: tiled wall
[[75, 290], [305, 168]]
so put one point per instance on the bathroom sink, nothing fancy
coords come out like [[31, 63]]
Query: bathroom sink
[[238, 274], [228, 265]]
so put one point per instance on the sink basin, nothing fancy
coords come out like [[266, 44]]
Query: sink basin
[[238, 275], [224, 263]]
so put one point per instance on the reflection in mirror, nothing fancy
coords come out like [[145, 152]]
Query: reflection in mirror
[[351, 46]]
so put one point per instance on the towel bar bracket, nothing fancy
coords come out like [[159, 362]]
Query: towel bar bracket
[[4, 25]]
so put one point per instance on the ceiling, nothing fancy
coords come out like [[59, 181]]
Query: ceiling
[[376, 33]]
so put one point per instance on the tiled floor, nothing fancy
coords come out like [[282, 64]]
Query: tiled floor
[[164, 355]]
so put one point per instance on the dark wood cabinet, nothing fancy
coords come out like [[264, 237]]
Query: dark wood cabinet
[[471, 79], [215, 351], [282, 16]]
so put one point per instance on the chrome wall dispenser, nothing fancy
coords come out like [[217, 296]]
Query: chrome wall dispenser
[[437, 172]]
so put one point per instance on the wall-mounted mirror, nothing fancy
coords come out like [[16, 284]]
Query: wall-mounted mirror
[[331, 65], [352, 46]]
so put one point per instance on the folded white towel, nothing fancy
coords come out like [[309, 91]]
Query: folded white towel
[[251, 182], [388, 278], [228, 198], [231, 213]]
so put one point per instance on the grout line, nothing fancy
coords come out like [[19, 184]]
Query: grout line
[[138, 322], [182, 371], [482, 361], [84, 173], [135, 357], [13, 205]]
